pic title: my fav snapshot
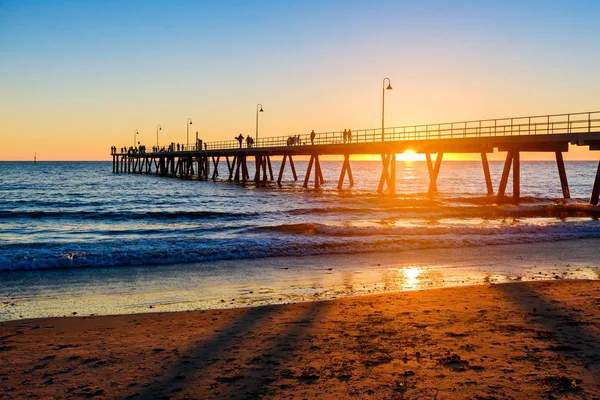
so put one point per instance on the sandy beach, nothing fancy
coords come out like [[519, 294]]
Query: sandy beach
[[513, 340]]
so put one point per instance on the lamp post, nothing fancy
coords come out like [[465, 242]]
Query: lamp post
[[389, 87], [135, 133], [158, 128], [257, 111], [187, 125]]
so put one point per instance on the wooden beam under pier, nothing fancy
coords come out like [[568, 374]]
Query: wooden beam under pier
[[245, 174], [216, 167], [346, 170], [237, 169], [308, 171], [596, 189], [516, 176], [318, 173], [257, 168], [433, 174], [562, 173], [486, 173], [385, 160], [270, 168], [504, 178], [293, 168], [281, 169], [264, 168], [231, 167]]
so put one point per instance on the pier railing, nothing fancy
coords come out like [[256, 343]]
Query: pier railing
[[519, 126]]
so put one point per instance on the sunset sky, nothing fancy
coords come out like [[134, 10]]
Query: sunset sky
[[79, 76]]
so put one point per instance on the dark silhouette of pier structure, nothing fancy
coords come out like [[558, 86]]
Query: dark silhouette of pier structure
[[547, 133]]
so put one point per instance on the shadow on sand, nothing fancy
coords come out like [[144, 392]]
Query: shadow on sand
[[236, 362]]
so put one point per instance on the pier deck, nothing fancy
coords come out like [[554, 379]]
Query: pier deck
[[548, 133]]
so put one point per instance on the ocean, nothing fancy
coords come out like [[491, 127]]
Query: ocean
[[65, 224]]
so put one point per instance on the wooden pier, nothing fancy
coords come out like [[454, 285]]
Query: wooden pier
[[548, 133]]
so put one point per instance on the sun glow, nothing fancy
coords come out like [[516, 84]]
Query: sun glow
[[410, 155]]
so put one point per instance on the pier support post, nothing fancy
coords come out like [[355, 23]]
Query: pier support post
[[393, 173], [308, 171], [245, 175], [346, 170], [384, 173], [231, 167], [433, 172], [270, 168], [504, 178], [388, 173], [162, 166], [516, 176], [318, 173], [562, 173], [486, 173], [264, 169], [215, 168], [280, 176], [596, 189], [237, 168], [257, 168], [293, 168]]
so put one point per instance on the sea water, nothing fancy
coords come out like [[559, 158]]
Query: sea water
[[66, 225]]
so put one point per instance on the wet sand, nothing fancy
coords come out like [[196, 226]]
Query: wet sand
[[510, 340], [281, 280]]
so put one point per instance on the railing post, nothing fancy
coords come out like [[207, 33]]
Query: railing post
[[589, 122]]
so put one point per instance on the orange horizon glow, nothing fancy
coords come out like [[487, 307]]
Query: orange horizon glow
[[73, 85]]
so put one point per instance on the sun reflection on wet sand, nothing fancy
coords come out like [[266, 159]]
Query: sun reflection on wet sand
[[412, 277]]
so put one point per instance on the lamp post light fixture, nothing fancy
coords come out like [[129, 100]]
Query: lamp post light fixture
[[135, 133], [158, 128], [384, 88], [258, 109], [187, 125]]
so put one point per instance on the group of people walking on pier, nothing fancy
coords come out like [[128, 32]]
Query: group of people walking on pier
[[130, 150], [347, 136], [249, 140], [293, 140]]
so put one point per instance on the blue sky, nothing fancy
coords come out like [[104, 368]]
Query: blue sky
[[86, 73]]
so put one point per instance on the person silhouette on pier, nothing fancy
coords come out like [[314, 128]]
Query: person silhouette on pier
[[345, 135], [239, 138], [312, 136], [349, 136]]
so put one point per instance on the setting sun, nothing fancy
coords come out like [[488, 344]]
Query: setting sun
[[410, 155]]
